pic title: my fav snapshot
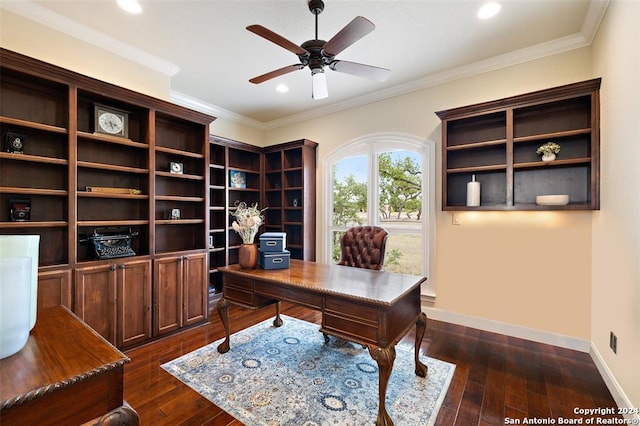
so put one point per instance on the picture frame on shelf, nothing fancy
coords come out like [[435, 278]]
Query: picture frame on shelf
[[237, 179]]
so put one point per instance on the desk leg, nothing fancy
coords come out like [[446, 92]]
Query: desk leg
[[421, 326], [385, 358], [277, 322], [223, 311], [123, 415]]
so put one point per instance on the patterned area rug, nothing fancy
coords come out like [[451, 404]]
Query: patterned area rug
[[289, 376]]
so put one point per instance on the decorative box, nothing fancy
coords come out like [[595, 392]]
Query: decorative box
[[273, 242], [274, 260]]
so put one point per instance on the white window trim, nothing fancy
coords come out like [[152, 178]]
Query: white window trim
[[374, 144]]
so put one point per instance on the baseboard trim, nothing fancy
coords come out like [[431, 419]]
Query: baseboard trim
[[493, 326], [540, 336], [616, 390]]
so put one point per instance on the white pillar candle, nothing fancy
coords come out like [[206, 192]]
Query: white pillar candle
[[24, 246], [473, 192], [15, 304]]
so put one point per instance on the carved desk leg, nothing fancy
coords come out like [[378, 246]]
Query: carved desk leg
[[121, 416], [223, 310], [385, 358], [421, 326], [277, 322]]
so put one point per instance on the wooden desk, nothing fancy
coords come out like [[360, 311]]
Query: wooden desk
[[66, 374], [373, 308]]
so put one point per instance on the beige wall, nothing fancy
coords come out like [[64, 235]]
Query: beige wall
[[616, 234], [233, 130], [491, 265]]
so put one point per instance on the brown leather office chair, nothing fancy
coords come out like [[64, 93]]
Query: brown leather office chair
[[363, 247]]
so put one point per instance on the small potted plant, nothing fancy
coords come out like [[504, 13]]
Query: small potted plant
[[548, 151]]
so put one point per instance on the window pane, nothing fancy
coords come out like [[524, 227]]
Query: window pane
[[399, 187], [350, 191], [404, 254], [400, 210]]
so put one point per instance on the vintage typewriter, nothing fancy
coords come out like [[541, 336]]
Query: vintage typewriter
[[112, 243]]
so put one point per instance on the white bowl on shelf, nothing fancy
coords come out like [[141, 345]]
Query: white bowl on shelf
[[552, 200]]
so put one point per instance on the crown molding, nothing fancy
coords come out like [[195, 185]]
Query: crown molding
[[49, 18], [210, 109], [592, 20]]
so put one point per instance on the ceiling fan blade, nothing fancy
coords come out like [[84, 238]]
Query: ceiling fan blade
[[273, 74], [360, 70], [277, 39], [351, 33]]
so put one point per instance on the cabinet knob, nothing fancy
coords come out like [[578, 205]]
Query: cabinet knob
[[121, 266], [112, 267]]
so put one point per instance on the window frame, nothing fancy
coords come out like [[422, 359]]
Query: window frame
[[371, 146]]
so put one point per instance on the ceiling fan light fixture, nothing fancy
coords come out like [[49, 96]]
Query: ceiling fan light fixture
[[318, 84]]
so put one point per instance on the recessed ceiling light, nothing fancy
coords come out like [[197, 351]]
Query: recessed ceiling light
[[488, 10], [131, 6], [282, 88]]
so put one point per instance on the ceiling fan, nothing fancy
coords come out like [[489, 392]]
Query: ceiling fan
[[316, 54]]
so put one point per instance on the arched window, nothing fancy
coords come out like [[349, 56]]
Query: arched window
[[384, 179]]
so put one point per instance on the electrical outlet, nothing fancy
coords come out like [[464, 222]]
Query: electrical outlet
[[613, 342]]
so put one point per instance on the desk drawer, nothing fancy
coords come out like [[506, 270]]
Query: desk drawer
[[299, 297], [242, 283], [342, 325], [352, 309], [235, 295], [240, 291]]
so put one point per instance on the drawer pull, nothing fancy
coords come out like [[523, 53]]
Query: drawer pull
[[278, 260]]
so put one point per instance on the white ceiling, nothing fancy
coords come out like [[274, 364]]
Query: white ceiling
[[210, 55]]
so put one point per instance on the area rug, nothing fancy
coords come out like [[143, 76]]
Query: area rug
[[289, 376]]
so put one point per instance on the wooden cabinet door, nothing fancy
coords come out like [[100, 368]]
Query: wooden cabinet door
[[167, 294], [54, 288], [95, 298], [195, 292], [133, 302]]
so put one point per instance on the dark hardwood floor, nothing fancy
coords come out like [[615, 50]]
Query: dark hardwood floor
[[497, 377]]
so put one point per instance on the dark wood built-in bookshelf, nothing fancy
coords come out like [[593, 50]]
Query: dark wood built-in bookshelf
[[128, 300], [496, 141], [275, 176], [290, 193]]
